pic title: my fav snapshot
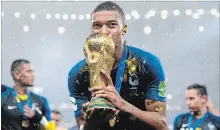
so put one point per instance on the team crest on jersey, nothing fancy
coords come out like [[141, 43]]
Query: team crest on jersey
[[133, 89], [133, 82]]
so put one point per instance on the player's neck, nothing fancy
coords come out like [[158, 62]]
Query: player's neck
[[118, 56], [20, 90], [115, 65], [202, 112]]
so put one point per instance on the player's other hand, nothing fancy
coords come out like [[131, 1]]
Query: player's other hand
[[32, 114], [209, 103], [97, 116]]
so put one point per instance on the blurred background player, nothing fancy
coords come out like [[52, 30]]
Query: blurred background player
[[22, 109], [202, 115], [56, 117]]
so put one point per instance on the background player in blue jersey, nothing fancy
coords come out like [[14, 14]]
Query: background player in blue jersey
[[22, 109], [200, 116], [141, 95]]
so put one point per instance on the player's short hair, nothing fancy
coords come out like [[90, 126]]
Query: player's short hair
[[56, 112], [18, 63], [110, 6], [201, 89]]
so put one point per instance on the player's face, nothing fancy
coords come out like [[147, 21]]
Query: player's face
[[194, 100], [109, 22], [56, 118], [26, 75]]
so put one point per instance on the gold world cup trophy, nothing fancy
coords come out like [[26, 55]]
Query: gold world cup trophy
[[99, 50]]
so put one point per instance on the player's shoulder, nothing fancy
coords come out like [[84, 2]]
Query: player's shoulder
[[38, 97], [81, 66], [142, 54], [150, 60], [215, 119], [6, 90], [183, 116]]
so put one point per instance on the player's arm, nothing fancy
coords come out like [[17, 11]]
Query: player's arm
[[76, 97], [155, 114], [46, 120], [155, 100], [176, 123], [153, 81], [211, 108]]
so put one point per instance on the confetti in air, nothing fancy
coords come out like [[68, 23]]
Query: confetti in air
[[201, 28], [26, 28], [61, 30], [128, 16], [17, 14], [147, 30], [164, 14], [135, 14], [196, 15], [169, 96], [33, 16]]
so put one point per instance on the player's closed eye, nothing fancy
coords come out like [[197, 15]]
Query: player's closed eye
[[191, 99], [96, 26], [112, 25], [29, 71]]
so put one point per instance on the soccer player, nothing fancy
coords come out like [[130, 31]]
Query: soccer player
[[22, 109], [136, 85], [56, 117], [200, 116]]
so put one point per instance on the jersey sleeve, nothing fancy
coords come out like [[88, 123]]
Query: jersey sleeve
[[49, 124], [176, 122], [46, 110], [78, 87], [155, 79]]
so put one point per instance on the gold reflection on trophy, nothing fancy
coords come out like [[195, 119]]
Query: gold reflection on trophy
[[99, 50]]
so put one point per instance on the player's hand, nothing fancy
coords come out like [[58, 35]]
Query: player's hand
[[100, 115], [32, 114], [210, 103], [97, 115], [28, 112], [84, 108], [109, 93]]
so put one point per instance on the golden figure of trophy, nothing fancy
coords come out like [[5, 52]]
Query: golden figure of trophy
[[99, 50]]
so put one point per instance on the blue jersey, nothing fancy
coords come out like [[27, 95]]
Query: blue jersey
[[4, 87], [207, 122], [11, 115], [143, 80]]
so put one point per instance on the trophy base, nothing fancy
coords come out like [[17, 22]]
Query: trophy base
[[99, 103]]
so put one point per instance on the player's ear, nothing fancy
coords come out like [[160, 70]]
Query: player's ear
[[204, 98], [124, 30]]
